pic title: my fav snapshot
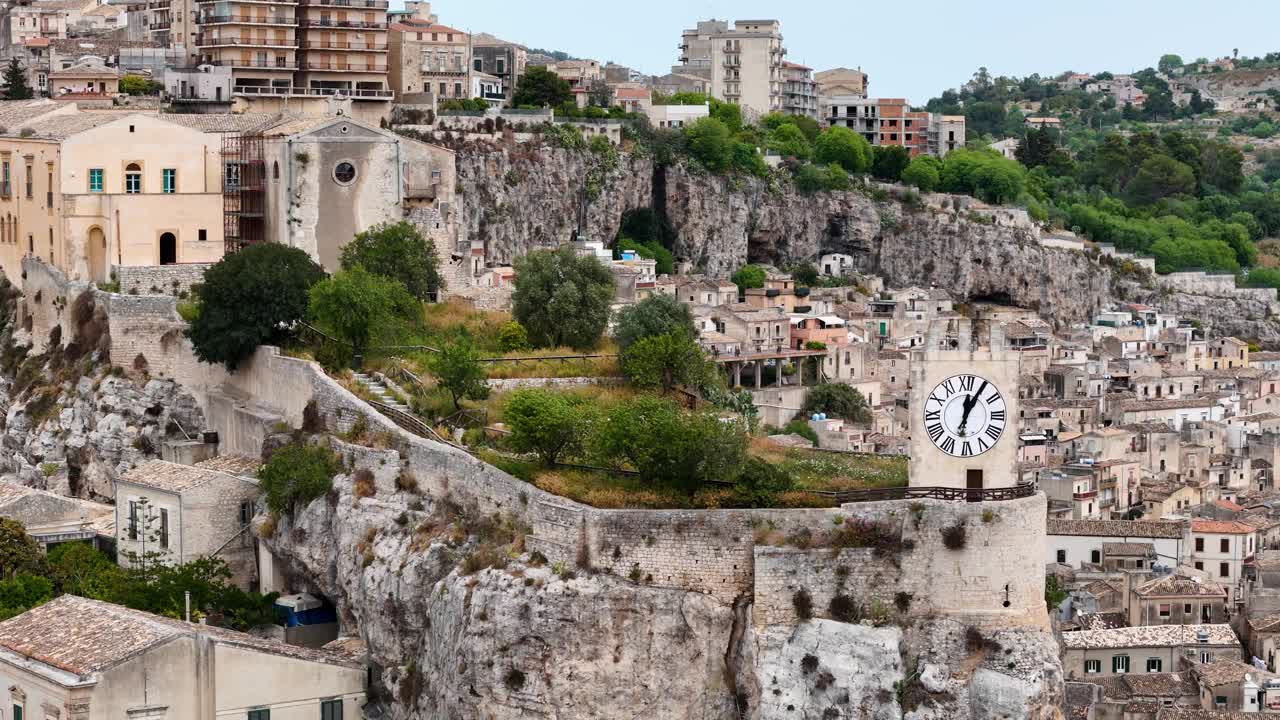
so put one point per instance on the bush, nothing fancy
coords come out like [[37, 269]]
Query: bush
[[362, 485], [297, 474], [362, 308], [760, 484], [250, 298], [836, 400], [803, 604], [800, 426], [457, 368], [845, 609], [398, 251], [845, 148], [665, 361], [953, 537], [748, 276], [512, 337], [813, 178], [655, 315], [548, 423], [562, 299], [809, 664]]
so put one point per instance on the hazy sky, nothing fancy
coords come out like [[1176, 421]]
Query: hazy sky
[[913, 49]]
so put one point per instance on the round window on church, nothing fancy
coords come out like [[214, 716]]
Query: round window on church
[[344, 173]]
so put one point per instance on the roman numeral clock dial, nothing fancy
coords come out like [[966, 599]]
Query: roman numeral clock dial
[[965, 415]]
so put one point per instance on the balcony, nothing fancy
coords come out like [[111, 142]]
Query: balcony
[[1084, 495], [289, 90], [340, 66], [343, 24], [247, 20], [372, 4], [206, 41], [353, 45], [270, 63], [158, 25]]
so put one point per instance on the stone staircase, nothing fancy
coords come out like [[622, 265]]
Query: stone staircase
[[379, 390]]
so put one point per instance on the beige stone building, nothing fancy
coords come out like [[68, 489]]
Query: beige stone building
[[744, 65], [88, 77], [79, 659], [841, 81], [1090, 654], [427, 57], [799, 91], [179, 513]]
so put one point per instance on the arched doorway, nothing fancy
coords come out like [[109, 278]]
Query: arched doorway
[[97, 252], [168, 249]]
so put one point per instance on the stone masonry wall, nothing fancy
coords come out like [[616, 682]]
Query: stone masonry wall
[[160, 279]]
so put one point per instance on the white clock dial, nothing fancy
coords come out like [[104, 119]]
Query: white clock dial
[[965, 415]]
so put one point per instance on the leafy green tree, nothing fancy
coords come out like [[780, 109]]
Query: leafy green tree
[[670, 447], [889, 162], [22, 592], [806, 275], [983, 173], [1170, 62], [664, 261], [1221, 168], [249, 298], [810, 178], [665, 361], [1159, 177], [844, 147], [789, 141], [837, 400], [19, 552], [549, 423], [16, 86], [80, 569], [727, 113], [760, 484], [1054, 595], [297, 474], [655, 315], [747, 277], [139, 85], [1037, 148], [561, 298], [539, 87], [512, 337], [710, 143], [361, 308], [398, 251], [924, 172], [458, 369]]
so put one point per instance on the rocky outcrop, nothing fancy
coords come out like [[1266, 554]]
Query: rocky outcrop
[[524, 197], [456, 639]]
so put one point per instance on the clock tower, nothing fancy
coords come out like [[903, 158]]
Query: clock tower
[[964, 410]]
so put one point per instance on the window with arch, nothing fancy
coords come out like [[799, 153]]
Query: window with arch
[[275, 170], [133, 179]]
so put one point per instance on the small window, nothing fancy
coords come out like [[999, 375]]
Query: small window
[[263, 714], [17, 712], [1155, 665], [1224, 570], [344, 173], [1095, 557], [164, 528], [1164, 610], [133, 519], [169, 180], [203, 235], [331, 710], [1062, 554], [1224, 545], [1199, 544], [1092, 667], [95, 180], [1120, 664], [133, 179], [1206, 657], [1186, 608], [31, 181], [1199, 565]]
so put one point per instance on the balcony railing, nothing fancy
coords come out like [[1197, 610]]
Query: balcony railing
[[291, 90], [340, 66], [1084, 495], [274, 64], [348, 24], [309, 43], [931, 493], [203, 40], [374, 4], [158, 25], [248, 20]]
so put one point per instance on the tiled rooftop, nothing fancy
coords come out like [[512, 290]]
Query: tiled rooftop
[[242, 465], [1149, 636], [1179, 586], [83, 636], [1222, 672], [171, 477], [1117, 528], [1161, 684], [1116, 549], [1220, 527]]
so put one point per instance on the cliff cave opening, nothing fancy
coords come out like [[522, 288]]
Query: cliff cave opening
[[992, 298]]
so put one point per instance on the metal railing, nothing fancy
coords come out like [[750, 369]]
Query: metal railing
[[203, 40], [343, 66], [931, 493], [376, 4], [313, 92], [341, 45], [248, 19], [332, 23], [274, 64]]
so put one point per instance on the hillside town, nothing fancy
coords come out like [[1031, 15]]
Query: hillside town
[[354, 365]]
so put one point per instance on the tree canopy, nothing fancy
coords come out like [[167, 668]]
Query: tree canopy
[[540, 87], [16, 86], [562, 299], [845, 148], [297, 474], [249, 298], [665, 361], [748, 276], [546, 422], [361, 308], [399, 251], [652, 316], [458, 369], [836, 400]]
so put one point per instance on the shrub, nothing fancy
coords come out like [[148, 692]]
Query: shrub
[[809, 664], [845, 609], [562, 299], [902, 601], [362, 485], [512, 337], [406, 482], [837, 400], [458, 369], [547, 422], [482, 558], [654, 316], [297, 474], [361, 308], [803, 604], [954, 537], [748, 276], [800, 426], [398, 251], [761, 483]]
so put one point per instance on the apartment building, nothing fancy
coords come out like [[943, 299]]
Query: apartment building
[[304, 48], [841, 81], [580, 74], [799, 91], [743, 65], [890, 121], [427, 57], [501, 59], [1220, 547], [38, 20]]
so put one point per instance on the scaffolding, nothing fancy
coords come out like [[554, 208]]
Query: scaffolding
[[243, 190]]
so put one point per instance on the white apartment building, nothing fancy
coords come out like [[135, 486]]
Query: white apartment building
[[744, 65], [1219, 548]]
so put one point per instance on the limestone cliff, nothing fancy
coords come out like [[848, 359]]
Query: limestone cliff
[[453, 639]]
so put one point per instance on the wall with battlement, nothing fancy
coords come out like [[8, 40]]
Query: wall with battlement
[[1216, 284], [160, 279]]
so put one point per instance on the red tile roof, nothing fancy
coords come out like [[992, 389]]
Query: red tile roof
[[423, 26], [37, 42], [631, 93], [1221, 527], [1228, 505]]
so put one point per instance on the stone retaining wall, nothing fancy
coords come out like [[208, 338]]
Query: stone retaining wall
[[160, 279]]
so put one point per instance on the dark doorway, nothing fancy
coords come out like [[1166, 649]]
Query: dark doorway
[[168, 249], [973, 482]]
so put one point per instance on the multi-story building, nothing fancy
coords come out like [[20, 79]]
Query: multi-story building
[[841, 81], [1220, 548], [499, 58], [743, 65], [799, 91], [306, 48], [890, 121], [580, 74], [37, 20], [427, 57]]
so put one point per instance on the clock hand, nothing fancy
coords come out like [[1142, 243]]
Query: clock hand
[[967, 405]]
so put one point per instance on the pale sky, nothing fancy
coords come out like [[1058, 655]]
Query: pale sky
[[913, 49]]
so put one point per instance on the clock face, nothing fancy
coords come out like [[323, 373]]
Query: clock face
[[964, 415]]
